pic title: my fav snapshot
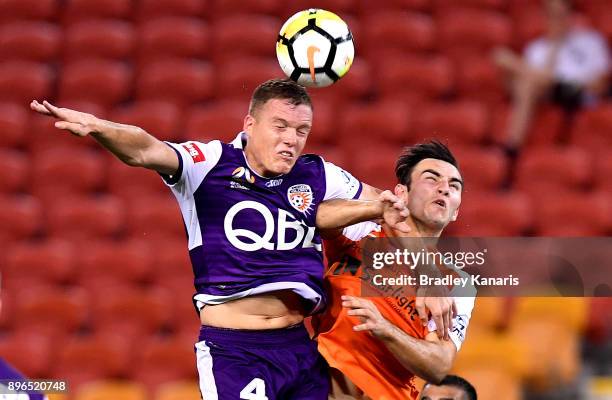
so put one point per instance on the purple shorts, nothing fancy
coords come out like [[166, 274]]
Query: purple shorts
[[270, 364]]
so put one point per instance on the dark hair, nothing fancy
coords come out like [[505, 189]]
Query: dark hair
[[459, 382], [285, 89], [412, 155]]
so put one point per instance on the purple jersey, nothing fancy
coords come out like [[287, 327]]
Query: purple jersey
[[7, 372], [248, 234]]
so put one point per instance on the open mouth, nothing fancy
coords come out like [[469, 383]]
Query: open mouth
[[441, 203], [286, 154]]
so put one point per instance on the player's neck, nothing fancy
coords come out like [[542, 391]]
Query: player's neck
[[424, 230]]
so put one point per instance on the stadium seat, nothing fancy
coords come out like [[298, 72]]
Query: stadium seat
[[23, 81], [20, 217], [78, 10], [481, 168], [554, 169], [119, 390], [230, 35], [43, 135], [220, 120], [30, 352], [604, 171], [591, 128], [160, 119], [334, 154], [492, 214], [15, 171], [157, 217], [187, 390], [546, 129], [529, 22], [29, 40], [128, 261], [149, 9], [394, 30], [478, 78], [82, 219], [13, 123], [458, 123], [269, 7], [387, 121], [52, 261], [567, 214], [368, 7], [460, 33], [489, 318], [476, 4], [375, 168], [99, 38], [171, 260], [492, 382], [180, 81], [103, 82], [55, 314], [241, 76], [13, 10], [417, 76], [131, 183], [165, 360], [184, 37], [135, 313]]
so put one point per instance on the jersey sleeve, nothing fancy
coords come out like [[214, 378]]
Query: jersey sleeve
[[340, 184], [460, 322], [196, 160]]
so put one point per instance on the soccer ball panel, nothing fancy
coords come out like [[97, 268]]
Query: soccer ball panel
[[336, 28], [314, 44], [345, 53], [321, 80]]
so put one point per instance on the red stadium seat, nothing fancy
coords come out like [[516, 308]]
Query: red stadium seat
[[82, 219], [15, 171], [491, 214], [554, 170], [160, 119], [29, 40], [270, 7], [133, 314], [481, 168], [604, 171], [13, 123], [458, 123], [376, 168], [546, 129], [20, 217], [130, 183], [42, 134], [23, 81], [77, 10], [415, 77], [241, 76], [99, 38], [128, 261], [29, 352], [58, 172], [102, 82], [529, 22], [229, 33], [52, 261], [149, 9], [463, 29], [478, 78], [334, 154], [181, 390], [181, 81], [442, 5], [572, 214], [171, 261], [368, 7], [13, 10], [388, 121], [173, 37], [401, 31], [165, 360], [591, 129], [220, 120], [157, 217]]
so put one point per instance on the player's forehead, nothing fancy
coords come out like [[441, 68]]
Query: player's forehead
[[433, 392], [285, 110], [445, 169]]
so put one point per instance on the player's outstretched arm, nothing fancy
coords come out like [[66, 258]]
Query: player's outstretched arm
[[429, 358], [339, 213], [130, 144]]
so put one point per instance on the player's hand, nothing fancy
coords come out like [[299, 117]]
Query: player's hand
[[76, 122], [395, 211], [442, 309], [372, 320]]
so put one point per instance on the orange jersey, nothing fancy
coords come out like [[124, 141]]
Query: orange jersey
[[358, 355]]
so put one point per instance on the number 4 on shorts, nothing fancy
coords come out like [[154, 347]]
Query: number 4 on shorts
[[255, 390]]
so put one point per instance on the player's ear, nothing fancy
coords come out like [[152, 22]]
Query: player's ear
[[247, 125], [400, 190], [455, 215]]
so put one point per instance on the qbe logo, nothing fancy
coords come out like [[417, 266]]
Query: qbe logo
[[275, 234]]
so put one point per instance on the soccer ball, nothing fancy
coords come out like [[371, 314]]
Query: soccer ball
[[315, 48]]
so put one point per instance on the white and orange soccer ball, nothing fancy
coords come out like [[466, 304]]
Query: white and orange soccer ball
[[315, 48]]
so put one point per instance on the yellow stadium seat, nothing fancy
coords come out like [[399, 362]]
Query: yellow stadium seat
[[492, 382], [571, 311], [116, 390], [180, 390]]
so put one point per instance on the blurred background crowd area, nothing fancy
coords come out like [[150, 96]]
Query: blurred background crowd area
[[96, 276]]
